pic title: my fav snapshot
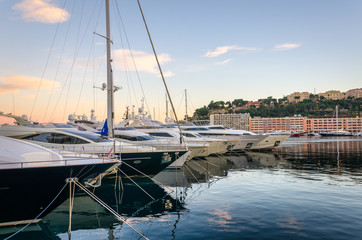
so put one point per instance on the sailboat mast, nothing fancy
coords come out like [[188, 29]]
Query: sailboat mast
[[186, 104], [166, 107], [110, 107]]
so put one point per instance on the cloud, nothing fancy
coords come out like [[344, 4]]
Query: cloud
[[287, 46], [145, 62], [224, 62], [224, 49], [41, 11], [21, 82], [167, 74]]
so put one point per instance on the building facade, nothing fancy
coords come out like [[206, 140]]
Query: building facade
[[331, 124], [287, 124], [333, 95], [356, 93], [235, 121], [297, 97]]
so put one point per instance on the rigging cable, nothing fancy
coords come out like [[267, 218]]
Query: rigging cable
[[56, 73], [86, 68], [159, 67], [47, 61], [131, 52], [75, 54]]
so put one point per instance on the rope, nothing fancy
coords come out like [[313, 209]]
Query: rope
[[119, 217], [39, 213], [71, 204], [191, 173], [136, 184], [146, 176]]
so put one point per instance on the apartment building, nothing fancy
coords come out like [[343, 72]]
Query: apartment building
[[329, 124], [236, 121], [288, 124]]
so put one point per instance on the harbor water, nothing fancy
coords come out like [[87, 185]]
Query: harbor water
[[308, 188]]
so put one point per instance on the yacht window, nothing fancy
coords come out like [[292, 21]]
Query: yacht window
[[218, 127], [160, 134], [135, 138], [124, 128], [218, 134], [246, 134], [189, 135], [90, 136], [60, 125], [196, 129], [57, 138]]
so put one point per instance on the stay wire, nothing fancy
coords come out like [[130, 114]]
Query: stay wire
[[39, 213], [131, 52], [47, 61], [89, 58], [159, 67], [58, 67], [77, 44]]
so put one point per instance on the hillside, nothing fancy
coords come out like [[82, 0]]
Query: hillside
[[271, 107]]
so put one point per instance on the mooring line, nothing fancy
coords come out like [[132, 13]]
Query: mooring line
[[111, 210], [39, 214], [146, 176], [136, 184]]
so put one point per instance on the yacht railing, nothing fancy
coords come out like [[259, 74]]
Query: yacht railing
[[66, 161]]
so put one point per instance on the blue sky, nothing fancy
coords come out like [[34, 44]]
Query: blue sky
[[217, 50]]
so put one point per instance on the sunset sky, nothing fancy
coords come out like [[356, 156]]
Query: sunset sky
[[218, 50]]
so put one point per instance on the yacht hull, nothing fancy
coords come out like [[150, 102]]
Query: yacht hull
[[26, 192], [270, 142], [149, 163]]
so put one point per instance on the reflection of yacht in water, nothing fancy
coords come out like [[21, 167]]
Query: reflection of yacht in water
[[254, 160], [205, 170], [131, 202]]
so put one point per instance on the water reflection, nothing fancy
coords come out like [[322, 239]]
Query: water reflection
[[327, 155], [294, 166], [127, 197]]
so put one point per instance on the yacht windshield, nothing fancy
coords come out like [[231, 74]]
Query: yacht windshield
[[135, 138], [124, 128], [90, 136]]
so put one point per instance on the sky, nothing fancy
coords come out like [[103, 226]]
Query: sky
[[53, 63]]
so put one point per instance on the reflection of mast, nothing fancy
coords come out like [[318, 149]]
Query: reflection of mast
[[337, 116], [175, 225]]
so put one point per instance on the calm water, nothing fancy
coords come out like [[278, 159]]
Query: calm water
[[309, 188]]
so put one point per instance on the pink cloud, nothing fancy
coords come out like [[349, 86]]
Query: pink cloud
[[21, 82], [41, 11]]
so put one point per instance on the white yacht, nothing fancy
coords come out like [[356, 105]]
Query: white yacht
[[246, 141], [31, 176], [136, 159], [268, 143], [197, 148]]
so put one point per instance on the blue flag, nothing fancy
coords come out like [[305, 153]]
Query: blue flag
[[104, 131]]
